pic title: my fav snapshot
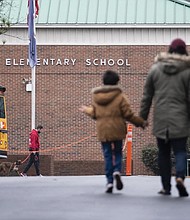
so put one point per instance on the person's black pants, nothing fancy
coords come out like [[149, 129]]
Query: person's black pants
[[34, 159], [164, 159]]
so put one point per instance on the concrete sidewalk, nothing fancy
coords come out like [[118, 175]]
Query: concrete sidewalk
[[83, 198]]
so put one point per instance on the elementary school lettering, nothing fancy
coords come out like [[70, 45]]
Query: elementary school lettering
[[68, 62]]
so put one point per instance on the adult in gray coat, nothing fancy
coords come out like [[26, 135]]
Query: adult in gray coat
[[168, 86]]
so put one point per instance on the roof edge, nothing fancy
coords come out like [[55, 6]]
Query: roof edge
[[181, 2], [105, 26]]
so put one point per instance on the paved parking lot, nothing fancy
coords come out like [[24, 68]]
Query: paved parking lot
[[83, 198]]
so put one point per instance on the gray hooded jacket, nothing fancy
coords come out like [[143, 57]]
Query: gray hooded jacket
[[168, 85]]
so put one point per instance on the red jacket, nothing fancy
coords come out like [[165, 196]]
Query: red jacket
[[34, 143]]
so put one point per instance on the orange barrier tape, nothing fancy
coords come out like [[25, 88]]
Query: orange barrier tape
[[56, 148]]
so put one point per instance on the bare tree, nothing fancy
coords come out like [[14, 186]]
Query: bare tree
[[4, 21]]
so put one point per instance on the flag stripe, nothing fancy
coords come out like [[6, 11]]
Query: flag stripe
[[36, 7], [32, 35]]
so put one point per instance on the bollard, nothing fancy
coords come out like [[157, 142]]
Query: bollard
[[129, 151]]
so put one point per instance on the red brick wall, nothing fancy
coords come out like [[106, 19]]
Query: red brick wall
[[68, 135]]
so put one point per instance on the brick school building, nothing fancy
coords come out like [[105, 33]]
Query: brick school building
[[76, 42]]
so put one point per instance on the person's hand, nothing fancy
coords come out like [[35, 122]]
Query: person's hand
[[123, 148], [83, 108]]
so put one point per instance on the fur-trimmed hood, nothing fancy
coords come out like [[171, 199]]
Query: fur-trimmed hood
[[173, 63], [103, 95]]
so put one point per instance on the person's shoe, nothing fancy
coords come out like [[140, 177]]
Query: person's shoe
[[117, 176], [23, 174], [181, 188], [40, 175], [164, 192], [109, 188]]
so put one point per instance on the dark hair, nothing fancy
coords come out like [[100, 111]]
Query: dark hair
[[2, 88], [110, 78], [39, 127]]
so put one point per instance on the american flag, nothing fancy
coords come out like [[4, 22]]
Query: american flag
[[32, 31], [36, 7]]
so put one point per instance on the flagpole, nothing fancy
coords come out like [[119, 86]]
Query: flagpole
[[32, 54], [33, 116], [33, 112], [33, 104]]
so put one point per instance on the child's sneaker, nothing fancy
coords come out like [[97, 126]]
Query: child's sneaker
[[23, 174], [117, 176], [109, 188]]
